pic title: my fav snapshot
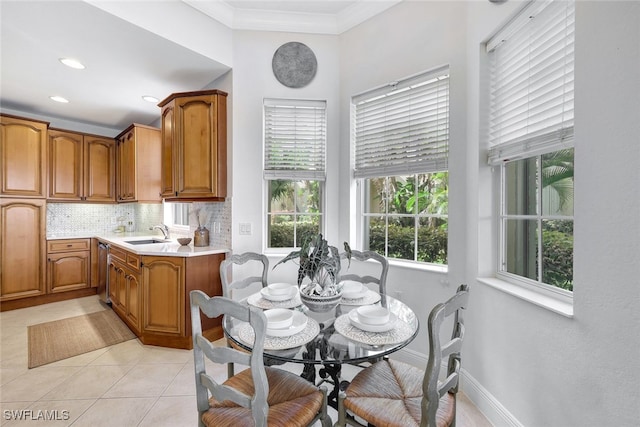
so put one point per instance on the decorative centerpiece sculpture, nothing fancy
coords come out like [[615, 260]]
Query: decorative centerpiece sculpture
[[320, 266]]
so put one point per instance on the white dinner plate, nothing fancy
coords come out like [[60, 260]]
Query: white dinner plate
[[299, 323], [369, 297], [268, 296], [355, 295], [355, 321]]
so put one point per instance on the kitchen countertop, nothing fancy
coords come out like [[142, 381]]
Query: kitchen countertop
[[169, 247]]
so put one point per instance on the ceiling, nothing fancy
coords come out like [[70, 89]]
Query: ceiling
[[124, 61]]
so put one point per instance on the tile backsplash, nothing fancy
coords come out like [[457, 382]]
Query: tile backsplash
[[216, 217], [82, 218], [69, 219]]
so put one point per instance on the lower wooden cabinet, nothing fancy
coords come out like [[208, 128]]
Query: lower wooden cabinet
[[22, 248], [163, 293], [68, 265], [151, 294], [124, 286]]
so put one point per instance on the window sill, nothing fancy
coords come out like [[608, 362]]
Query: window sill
[[421, 266], [557, 304]]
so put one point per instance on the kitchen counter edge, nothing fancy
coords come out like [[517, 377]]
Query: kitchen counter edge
[[170, 247]]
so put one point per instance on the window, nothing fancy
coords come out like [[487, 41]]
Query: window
[[531, 140], [401, 140], [537, 218], [294, 170], [176, 214]]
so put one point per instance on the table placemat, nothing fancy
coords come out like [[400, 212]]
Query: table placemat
[[246, 334], [370, 297], [257, 300], [401, 332]]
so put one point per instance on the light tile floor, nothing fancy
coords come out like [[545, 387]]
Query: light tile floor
[[128, 384]]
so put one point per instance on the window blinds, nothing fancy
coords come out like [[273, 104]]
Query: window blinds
[[531, 74], [294, 139], [403, 128]]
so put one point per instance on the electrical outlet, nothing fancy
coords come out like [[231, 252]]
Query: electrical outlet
[[244, 228]]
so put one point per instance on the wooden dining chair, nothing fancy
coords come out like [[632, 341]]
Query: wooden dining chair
[[392, 393], [260, 396], [379, 279]]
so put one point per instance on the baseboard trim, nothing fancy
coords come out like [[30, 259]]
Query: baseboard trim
[[486, 403]]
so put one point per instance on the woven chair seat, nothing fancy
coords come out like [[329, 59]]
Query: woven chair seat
[[389, 393], [292, 400]]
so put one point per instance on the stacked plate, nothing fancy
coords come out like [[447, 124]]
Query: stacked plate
[[279, 292], [372, 318], [282, 322]]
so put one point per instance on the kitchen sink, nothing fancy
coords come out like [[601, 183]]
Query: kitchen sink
[[144, 242]]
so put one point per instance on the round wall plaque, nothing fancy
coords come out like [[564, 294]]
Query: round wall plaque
[[294, 64]]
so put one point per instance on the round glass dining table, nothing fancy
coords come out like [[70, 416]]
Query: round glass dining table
[[329, 339]]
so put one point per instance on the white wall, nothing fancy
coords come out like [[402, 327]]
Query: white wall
[[525, 364], [405, 40], [253, 80]]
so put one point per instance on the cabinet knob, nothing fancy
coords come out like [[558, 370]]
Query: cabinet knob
[[69, 245]]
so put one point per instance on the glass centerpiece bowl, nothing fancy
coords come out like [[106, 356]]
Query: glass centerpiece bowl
[[318, 273]]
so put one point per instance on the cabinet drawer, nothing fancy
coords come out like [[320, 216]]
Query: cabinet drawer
[[133, 261], [67, 245], [118, 253]]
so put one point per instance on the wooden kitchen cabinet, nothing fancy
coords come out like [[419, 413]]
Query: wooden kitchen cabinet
[[138, 171], [151, 294], [81, 167], [23, 157], [124, 286], [163, 293], [68, 265], [194, 146], [22, 248]]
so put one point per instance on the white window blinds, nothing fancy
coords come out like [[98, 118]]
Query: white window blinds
[[294, 139], [403, 128], [531, 90]]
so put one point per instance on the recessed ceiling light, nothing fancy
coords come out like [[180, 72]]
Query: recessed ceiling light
[[150, 98], [59, 99], [72, 63]]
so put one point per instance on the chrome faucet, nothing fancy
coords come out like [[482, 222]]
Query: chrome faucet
[[163, 228]]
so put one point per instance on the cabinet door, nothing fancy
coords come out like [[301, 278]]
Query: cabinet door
[[132, 307], [65, 165], [127, 168], [23, 157], [117, 287], [163, 295], [22, 248], [68, 271], [99, 169], [201, 149], [167, 185]]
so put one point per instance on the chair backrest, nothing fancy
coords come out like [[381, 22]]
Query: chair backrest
[[432, 388], [380, 279], [228, 285], [218, 306]]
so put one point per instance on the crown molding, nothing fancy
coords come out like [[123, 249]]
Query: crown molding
[[297, 22]]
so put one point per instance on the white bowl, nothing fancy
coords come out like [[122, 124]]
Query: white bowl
[[352, 289], [278, 318], [278, 289], [373, 314]]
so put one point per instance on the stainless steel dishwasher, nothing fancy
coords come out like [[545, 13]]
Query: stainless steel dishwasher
[[103, 272]]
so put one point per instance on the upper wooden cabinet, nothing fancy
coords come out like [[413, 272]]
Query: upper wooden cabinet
[[138, 166], [81, 167], [23, 157], [194, 146]]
